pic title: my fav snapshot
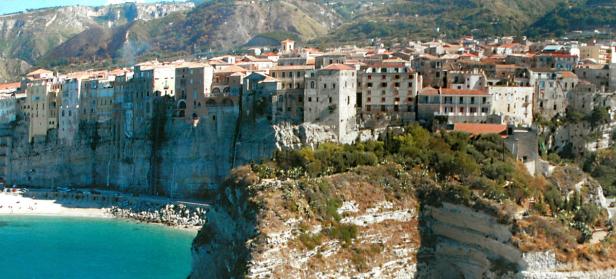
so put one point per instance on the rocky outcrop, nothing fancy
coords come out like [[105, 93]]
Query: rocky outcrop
[[465, 243]]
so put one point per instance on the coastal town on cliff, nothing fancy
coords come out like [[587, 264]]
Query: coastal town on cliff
[[308, 139]]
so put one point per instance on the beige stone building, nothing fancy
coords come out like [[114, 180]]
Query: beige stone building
[[330, 99], [42, 105], [193, 84], [388, 88], [288, 101]]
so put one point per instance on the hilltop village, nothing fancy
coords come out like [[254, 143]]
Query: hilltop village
[[505, 86]]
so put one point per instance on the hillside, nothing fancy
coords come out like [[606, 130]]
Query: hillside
[[419, 204], [28, 36], [210, 26], [419, 19], [580, 15]]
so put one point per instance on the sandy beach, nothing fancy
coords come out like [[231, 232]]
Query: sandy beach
[[16, 204]]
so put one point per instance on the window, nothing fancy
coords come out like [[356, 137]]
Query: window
[[312, 84]]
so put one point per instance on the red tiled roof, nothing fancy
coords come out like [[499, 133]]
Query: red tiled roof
[[562, 55], [479, 128], [12, 85], [339, 67], [567, 74]]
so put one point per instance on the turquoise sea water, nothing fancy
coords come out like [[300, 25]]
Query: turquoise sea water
[[52, 247]]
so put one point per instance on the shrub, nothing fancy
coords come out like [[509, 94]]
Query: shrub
[[309, 240], [588, 214], [343, 232]]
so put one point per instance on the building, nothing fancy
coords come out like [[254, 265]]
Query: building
[[68, 123], [330, 99], [327, 59], [42, 103], [599, 54], [257, 92], [388, 88], [40, 74], [8, 109], [551, 89], [513, 104], [287, 46], [193, 84], [453, 105], [288, 101], [471, 79], [597, 74]]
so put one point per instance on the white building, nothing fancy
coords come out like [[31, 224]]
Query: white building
[[68, 123], [330, 98], [513, 104]]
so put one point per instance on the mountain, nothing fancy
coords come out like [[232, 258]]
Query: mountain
[[27, 36], [579, 15], [426, 19], [215, 25]]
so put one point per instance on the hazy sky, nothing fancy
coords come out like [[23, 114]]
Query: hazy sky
[[11, 6]]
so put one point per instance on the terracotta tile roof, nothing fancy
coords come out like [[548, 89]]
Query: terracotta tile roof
[[479, 128], [339, 67], [230, 69], [567, 74], [292, 67], [12, 85]]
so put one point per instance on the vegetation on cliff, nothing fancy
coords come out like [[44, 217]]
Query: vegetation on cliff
[[415, 167]]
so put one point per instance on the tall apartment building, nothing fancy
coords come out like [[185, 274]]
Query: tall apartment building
[[330, 99], [453, 105], [288, 101], [514, 104], [389, 88], [68, 123], [42, 104], [551, 89], [193, 85]]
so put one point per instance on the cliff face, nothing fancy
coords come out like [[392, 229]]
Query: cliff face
[[370, 222], [183, 161], [188, 161]]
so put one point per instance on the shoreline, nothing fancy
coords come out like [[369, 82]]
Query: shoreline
[[16, 204]]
